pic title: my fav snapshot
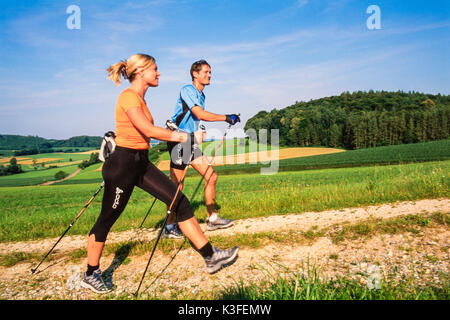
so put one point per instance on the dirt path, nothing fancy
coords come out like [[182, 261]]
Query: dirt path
[[66, 178], [425, 256], [299, 222]]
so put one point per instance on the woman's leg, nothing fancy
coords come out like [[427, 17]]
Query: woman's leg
[[159, 185], [120, 176]]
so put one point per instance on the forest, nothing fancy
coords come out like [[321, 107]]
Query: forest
[[359, 120]]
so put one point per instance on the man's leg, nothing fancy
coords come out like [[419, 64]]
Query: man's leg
[[213, 220], [201, 165]]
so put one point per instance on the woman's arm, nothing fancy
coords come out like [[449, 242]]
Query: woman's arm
[[148, 129]]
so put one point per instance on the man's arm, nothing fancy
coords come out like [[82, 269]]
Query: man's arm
[[207, 116]]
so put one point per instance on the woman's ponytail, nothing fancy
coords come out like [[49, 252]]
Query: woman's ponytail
[[116, 71]]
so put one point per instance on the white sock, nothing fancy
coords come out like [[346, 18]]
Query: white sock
[[170, 226], [213, 217]]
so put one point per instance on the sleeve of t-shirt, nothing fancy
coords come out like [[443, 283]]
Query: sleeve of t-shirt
[[190, 96], [128, 100]]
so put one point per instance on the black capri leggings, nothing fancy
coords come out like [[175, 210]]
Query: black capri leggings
[[125, 169]]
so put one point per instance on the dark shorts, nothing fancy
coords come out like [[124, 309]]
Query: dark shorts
[[180, 154]]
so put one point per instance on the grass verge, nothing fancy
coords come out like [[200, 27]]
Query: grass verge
[[311, 286], [338, 233]]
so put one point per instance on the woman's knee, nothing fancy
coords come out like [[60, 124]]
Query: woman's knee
[[183, 209]]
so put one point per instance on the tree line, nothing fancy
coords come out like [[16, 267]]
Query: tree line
[[360, 120], [28, 145], [12, 168]]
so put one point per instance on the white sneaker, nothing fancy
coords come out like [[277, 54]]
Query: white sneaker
[[221, 259], [218, 223]]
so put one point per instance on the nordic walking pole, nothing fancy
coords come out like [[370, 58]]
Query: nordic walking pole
[[71, 224], [142, 223], [165, 219]]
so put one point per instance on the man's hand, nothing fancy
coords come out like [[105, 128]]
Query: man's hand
[[199, 136], [232, 118]]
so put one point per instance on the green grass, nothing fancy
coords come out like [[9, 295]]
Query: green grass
[[45, 211], [311, 286]]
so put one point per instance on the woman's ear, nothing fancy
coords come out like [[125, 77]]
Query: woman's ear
[[139, 72]]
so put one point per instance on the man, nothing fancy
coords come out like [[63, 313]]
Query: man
[[189, 110]]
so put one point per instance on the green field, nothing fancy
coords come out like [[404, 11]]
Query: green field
[[407, 153], [32, 178], [40, 212], [32, 212], [67, 162]]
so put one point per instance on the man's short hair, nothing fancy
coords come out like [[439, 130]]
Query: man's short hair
[[197, 66]]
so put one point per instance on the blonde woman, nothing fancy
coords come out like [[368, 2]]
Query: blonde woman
[[129, 166]]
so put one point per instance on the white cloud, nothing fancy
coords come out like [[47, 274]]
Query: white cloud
[[302, 3]]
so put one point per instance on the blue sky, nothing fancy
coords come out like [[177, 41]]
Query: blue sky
[[264, 54]]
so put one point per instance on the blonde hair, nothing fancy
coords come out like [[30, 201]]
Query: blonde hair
[[129, 68]]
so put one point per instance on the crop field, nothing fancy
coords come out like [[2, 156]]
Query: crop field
[[44, 169], [396, 154], [33, 178]]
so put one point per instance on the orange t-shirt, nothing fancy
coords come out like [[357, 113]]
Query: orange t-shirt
[[127, 135]]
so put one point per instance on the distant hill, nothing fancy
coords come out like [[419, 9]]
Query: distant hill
[[39, 145], [359, 120], [27, 145]]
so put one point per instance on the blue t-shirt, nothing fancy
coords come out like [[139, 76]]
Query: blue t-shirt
[[183, 117]]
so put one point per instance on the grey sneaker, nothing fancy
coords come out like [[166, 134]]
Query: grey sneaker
[[95, 282], [221, 259], [219, 223], [174, 233]]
